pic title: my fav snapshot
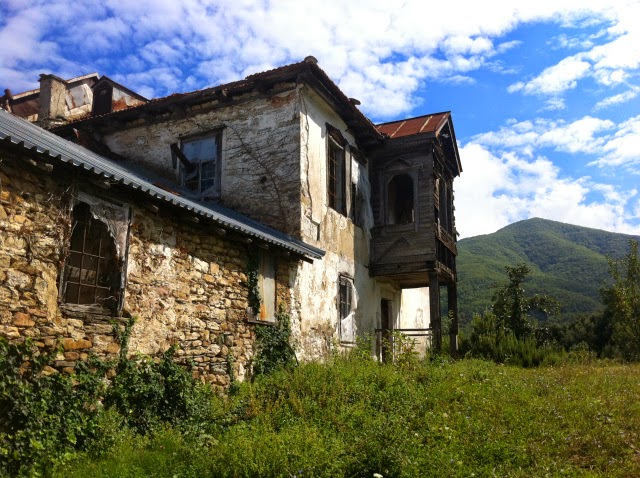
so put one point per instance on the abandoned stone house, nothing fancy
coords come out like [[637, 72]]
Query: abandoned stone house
[[112, 205]]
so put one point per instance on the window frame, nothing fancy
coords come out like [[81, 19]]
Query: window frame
[[336, 172], [211, 192], [345, 305], [115, 263]]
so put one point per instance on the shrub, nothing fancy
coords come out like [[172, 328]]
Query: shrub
[[44, 415], [273, 349]]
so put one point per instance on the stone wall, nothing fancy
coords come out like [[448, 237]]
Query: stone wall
[[260, 174], [185, 286]]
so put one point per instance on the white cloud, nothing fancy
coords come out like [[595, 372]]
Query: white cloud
[[617, 99], [555, 79], [372, 44], [580, 136], [497, 190], [623, 149]]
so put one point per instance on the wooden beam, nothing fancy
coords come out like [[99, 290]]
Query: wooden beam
[[434, 310]]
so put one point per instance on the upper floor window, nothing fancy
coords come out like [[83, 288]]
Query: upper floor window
[[92, 269], [400, 200], [102, 99], [336, 171], [200, 164]]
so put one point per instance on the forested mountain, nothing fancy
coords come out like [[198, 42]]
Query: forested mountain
[[567, 262]]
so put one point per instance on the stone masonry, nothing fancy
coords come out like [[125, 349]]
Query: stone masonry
[[185, 285]]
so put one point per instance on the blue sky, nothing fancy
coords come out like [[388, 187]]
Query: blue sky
[[545, 95]]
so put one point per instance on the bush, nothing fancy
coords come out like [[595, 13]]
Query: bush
[[148, 393], [44, 415], [273, 349]]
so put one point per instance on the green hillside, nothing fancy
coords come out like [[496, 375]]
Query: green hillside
[[567, 262]]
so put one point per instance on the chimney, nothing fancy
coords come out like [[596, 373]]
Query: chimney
[[52, 98], [6, 100]]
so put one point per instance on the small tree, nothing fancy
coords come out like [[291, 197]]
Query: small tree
[[622, 303], [513, 309]]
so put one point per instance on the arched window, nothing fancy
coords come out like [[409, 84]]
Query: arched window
[[400, 200], [91, 274]]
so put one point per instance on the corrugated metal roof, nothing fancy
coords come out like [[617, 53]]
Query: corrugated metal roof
[[422, 124], [33, 138]]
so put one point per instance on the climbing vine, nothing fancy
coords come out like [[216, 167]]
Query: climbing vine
[[273, 349], [253, 276]]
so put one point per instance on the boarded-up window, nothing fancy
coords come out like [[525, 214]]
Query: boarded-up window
[[267, 283]]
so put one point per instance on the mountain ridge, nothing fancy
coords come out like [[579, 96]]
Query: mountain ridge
[[567, 262]]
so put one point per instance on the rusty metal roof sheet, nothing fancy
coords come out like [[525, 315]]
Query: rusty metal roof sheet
[[34, 139], [427, 124]]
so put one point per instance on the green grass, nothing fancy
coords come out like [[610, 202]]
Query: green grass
[[355, 418]]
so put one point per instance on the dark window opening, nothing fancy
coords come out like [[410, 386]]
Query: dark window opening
[[102, 100], [91, 275], [400, 200], [336, 176]]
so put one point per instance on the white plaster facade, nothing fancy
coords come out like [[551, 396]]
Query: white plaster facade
[[274, 169]]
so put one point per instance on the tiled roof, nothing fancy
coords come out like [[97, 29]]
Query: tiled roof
[[35, 139]]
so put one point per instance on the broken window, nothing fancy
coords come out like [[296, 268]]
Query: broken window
[[361, 211], [400, 200], [347, 303], [93, 270], [200, 164], [267, 285]]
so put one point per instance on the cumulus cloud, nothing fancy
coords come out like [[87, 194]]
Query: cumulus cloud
[[363, 49], [617, 99], [555, 79], [496, 190], [623, 148], [525, 137]]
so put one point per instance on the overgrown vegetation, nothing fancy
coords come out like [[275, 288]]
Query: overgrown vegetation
[[351, 416], [519, 329], [354, 417], [46, 417], [273, 347], [622, 304]]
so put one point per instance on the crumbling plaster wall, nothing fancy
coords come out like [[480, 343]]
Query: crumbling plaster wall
[[260, 151], [346, 245], [185, 286]]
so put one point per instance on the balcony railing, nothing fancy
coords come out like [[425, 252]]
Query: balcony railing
[[391, 343]]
